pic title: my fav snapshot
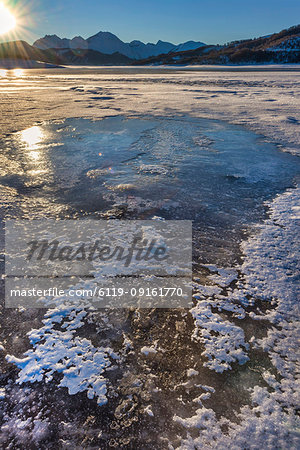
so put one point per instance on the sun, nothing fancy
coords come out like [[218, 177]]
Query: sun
[[7, 20]]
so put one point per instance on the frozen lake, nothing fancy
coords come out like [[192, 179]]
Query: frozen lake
[[208, 171], [218, 148]]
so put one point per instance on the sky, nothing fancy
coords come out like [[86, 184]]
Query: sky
[[176, 21]]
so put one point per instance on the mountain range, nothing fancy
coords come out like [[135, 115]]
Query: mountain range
[[277, 48], [107, 43], [106, 49]]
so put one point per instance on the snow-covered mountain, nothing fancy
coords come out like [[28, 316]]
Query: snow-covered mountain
[[108, 43], [291, 44]]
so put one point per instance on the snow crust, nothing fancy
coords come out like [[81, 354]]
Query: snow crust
[[81, 364], [269, 273]]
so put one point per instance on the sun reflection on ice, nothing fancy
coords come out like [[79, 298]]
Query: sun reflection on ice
[[18, 72], [32, 137], [37, 172], [34, 155], [34, 149]]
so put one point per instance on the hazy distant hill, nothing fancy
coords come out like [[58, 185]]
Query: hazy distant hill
[[278, 48], [20, 50]]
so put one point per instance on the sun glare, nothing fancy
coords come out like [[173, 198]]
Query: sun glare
[[7, 20], [32, 137], [18, 73]]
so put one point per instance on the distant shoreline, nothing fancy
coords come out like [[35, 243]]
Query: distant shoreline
[[11, 65]]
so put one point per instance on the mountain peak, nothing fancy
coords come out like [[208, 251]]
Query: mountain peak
[[104, 35]]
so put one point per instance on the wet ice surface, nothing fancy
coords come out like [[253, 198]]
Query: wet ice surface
[[165, 379], [213, 173]]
